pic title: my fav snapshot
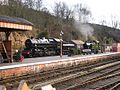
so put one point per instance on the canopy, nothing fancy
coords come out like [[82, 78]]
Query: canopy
[[14, 24]]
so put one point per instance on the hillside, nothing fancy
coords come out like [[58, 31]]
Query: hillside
[[104, 32], [48, 25]]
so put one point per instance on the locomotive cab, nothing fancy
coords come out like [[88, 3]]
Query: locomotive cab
[[91, 47], [87, 48]]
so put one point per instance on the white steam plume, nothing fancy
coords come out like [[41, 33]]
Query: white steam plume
[[85, 29]]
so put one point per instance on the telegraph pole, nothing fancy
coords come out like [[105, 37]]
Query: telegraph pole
[[61, 33]]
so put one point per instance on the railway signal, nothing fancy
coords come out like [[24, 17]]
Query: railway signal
[[61, 33]]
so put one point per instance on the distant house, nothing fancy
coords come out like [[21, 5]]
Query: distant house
[[78, 43]]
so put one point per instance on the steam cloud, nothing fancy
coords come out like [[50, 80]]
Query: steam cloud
[[85, 29]]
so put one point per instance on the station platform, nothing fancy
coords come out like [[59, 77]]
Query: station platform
[[34, 65]]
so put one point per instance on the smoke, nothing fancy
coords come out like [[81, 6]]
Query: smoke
[[85, 29]]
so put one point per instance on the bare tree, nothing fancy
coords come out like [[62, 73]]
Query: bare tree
[[62, 11], [83, 12], [1, 2], [114, 21], [44, 9], [38, 5], [13, 7], [29, 3], [12, 3], [57, 9], [63, 8], [103, 22], [5, 2]]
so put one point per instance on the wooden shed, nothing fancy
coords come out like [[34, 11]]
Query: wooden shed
[[78, 43], [8, 25]]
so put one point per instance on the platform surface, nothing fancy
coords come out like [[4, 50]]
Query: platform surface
[[49, 59]]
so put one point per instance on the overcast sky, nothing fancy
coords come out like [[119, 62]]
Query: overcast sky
[[101, 9]]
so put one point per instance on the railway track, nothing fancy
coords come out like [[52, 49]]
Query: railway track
[[116, 86], [54, 76], [97, 83], [66, 79], [92, 80]]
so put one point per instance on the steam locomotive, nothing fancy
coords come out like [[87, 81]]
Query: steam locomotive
[[45, 47], [51, 46], [90, 47]]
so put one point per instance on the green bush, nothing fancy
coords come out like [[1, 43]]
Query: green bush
[[76, 51]]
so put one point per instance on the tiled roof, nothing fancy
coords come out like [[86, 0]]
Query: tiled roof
[[77, 42], [14, 20]]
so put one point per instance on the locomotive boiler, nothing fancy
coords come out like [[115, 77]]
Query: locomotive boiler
[[44, 47]]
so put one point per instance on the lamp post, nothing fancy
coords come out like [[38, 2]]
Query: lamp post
[[61, 33]]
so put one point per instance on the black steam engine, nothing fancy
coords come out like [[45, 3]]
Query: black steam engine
[[52, 46], [90, 47], [44, 47]]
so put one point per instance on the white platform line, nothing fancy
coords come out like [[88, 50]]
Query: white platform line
[[59, 60]]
